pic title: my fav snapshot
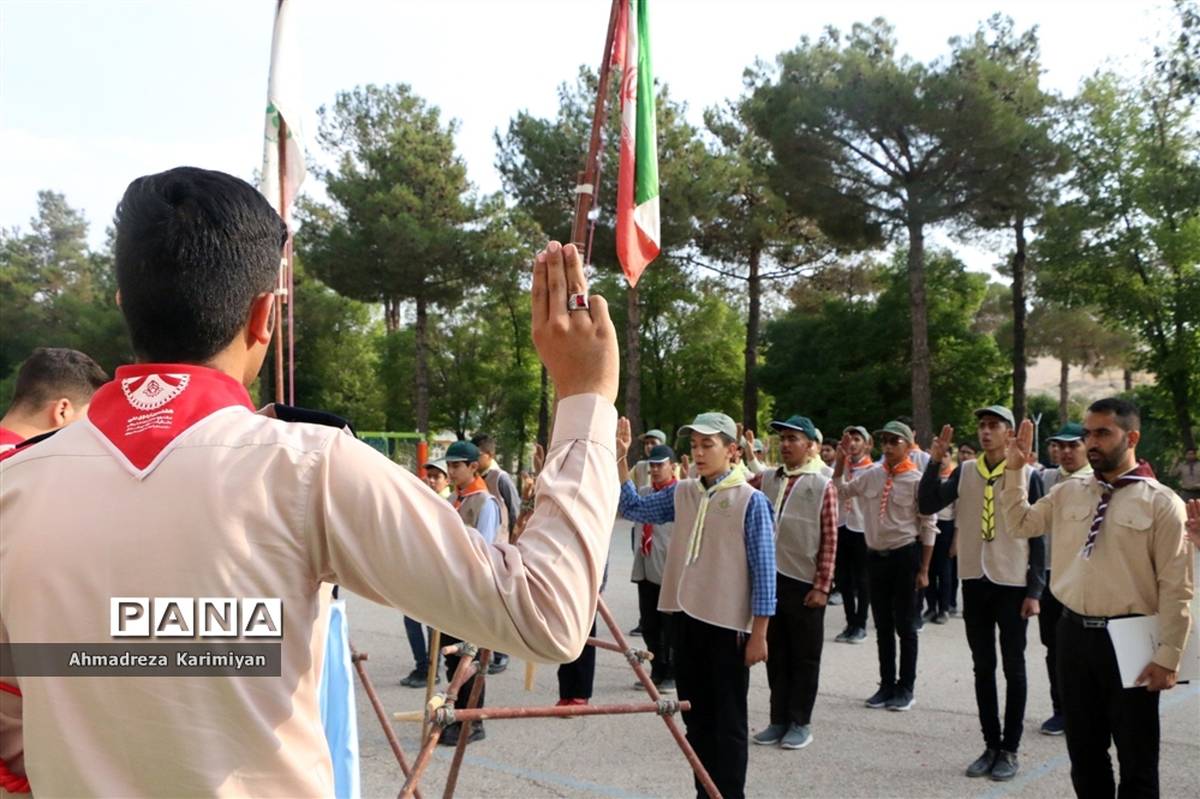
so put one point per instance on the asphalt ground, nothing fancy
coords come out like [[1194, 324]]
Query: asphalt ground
[[856, 751]]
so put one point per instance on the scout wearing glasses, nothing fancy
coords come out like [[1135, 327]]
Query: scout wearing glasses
[[719, 581], [899, 548], [1003, 577]]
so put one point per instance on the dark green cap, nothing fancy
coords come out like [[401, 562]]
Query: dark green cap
[[462, 452], [801, 423], [1071, 431]]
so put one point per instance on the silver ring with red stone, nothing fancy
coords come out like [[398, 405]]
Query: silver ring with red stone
[[577, 302]]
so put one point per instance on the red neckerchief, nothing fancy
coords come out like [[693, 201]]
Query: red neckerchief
[[148, 407], [8, 438], [474, 487], [648, 529]]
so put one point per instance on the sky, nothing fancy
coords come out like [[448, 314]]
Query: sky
[[94, 94]]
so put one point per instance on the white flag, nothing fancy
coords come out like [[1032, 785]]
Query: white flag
[[284, 102]]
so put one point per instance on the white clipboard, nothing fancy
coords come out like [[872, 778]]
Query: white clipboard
[[1136, 639]]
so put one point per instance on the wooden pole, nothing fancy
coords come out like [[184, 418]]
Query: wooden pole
[[285, 268], [586, 191]]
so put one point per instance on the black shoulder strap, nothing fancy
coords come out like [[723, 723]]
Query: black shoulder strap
[[291, 413]]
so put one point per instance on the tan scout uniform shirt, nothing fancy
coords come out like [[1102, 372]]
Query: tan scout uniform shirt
[[901, 524], [1141, 563], [248, 506]]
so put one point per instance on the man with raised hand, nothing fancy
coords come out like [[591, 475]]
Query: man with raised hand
[[1119, 550], [179, 489], [1002, 579]]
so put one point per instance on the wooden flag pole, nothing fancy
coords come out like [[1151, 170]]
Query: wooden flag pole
[[282, 291], [588, 187]]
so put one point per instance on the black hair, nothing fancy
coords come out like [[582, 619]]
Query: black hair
[[1128, 417], [53, 372], [193, 249], [485, 443]]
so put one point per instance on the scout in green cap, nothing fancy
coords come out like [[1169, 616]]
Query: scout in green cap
[[900, 546], [1003, 578], [719, 582], [851, 578], [805, 506]]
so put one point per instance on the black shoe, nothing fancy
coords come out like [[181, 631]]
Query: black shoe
[[902, 699], [498, 665], [857, 636], [1055, 725], [1006, 766], [929, 615], [880, 698], [982, 767], [450, 734], [920, 625], [636, 630], [941, 618], [844, 636], [417, 678]]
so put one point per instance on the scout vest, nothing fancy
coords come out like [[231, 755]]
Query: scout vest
[[715, 588], [492, 478], [472, 505], [1003, 560], [798, 528], [652, 565]]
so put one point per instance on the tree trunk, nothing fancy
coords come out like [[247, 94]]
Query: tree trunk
[[922, 398], [543, 430], [1018, 305], [1064, 376], [1181, 401], [1128, 377], [420, 331], [391, 314], [633, 363], [750, 385]]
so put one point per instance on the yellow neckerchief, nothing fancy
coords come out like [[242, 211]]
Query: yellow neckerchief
[[491, 468], [988, 520], [1082, 471], [732, 479], [446, 492], [811, 466]]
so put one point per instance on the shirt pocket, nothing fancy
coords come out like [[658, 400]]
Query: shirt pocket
[[1135, 520]]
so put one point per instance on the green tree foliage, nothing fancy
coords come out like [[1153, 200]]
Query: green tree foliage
[[871, 144], [1017, 158], [1076, 337], [55, 292], [849, 362], [1128, 238], [399, 224]]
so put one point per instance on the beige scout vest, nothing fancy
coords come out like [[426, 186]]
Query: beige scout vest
[[492, 478], [716, 587], [472, 506], [1003, 560], [798, 528], [650, 567]]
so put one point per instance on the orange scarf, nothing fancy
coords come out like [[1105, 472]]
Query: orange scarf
[[905, 465], [474, 487]]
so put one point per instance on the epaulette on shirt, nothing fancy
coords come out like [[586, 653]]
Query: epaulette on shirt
[[29, 442], [291, 413]]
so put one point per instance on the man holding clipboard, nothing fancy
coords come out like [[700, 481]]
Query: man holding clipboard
[[1119, 551]]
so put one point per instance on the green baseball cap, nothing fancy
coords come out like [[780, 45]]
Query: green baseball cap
[[857, 428], [438, 464], [660, 435], [462, 452], [997, 410], [801, 423], [894, 428], [711, 424], [1071, 431]]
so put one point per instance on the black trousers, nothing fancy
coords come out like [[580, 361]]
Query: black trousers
[[1048, 629], [656, 631], [893, 586], [464, 693], [939, 596], [795, 636], [850, 568], [575, 679], [986, 608], [1099, 711], [711, 673]]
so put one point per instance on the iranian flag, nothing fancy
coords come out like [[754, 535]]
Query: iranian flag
[[637, 176]]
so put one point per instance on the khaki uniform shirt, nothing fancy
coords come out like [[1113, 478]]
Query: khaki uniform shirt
[[900, 524], [1141, 563], [243, 505]]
